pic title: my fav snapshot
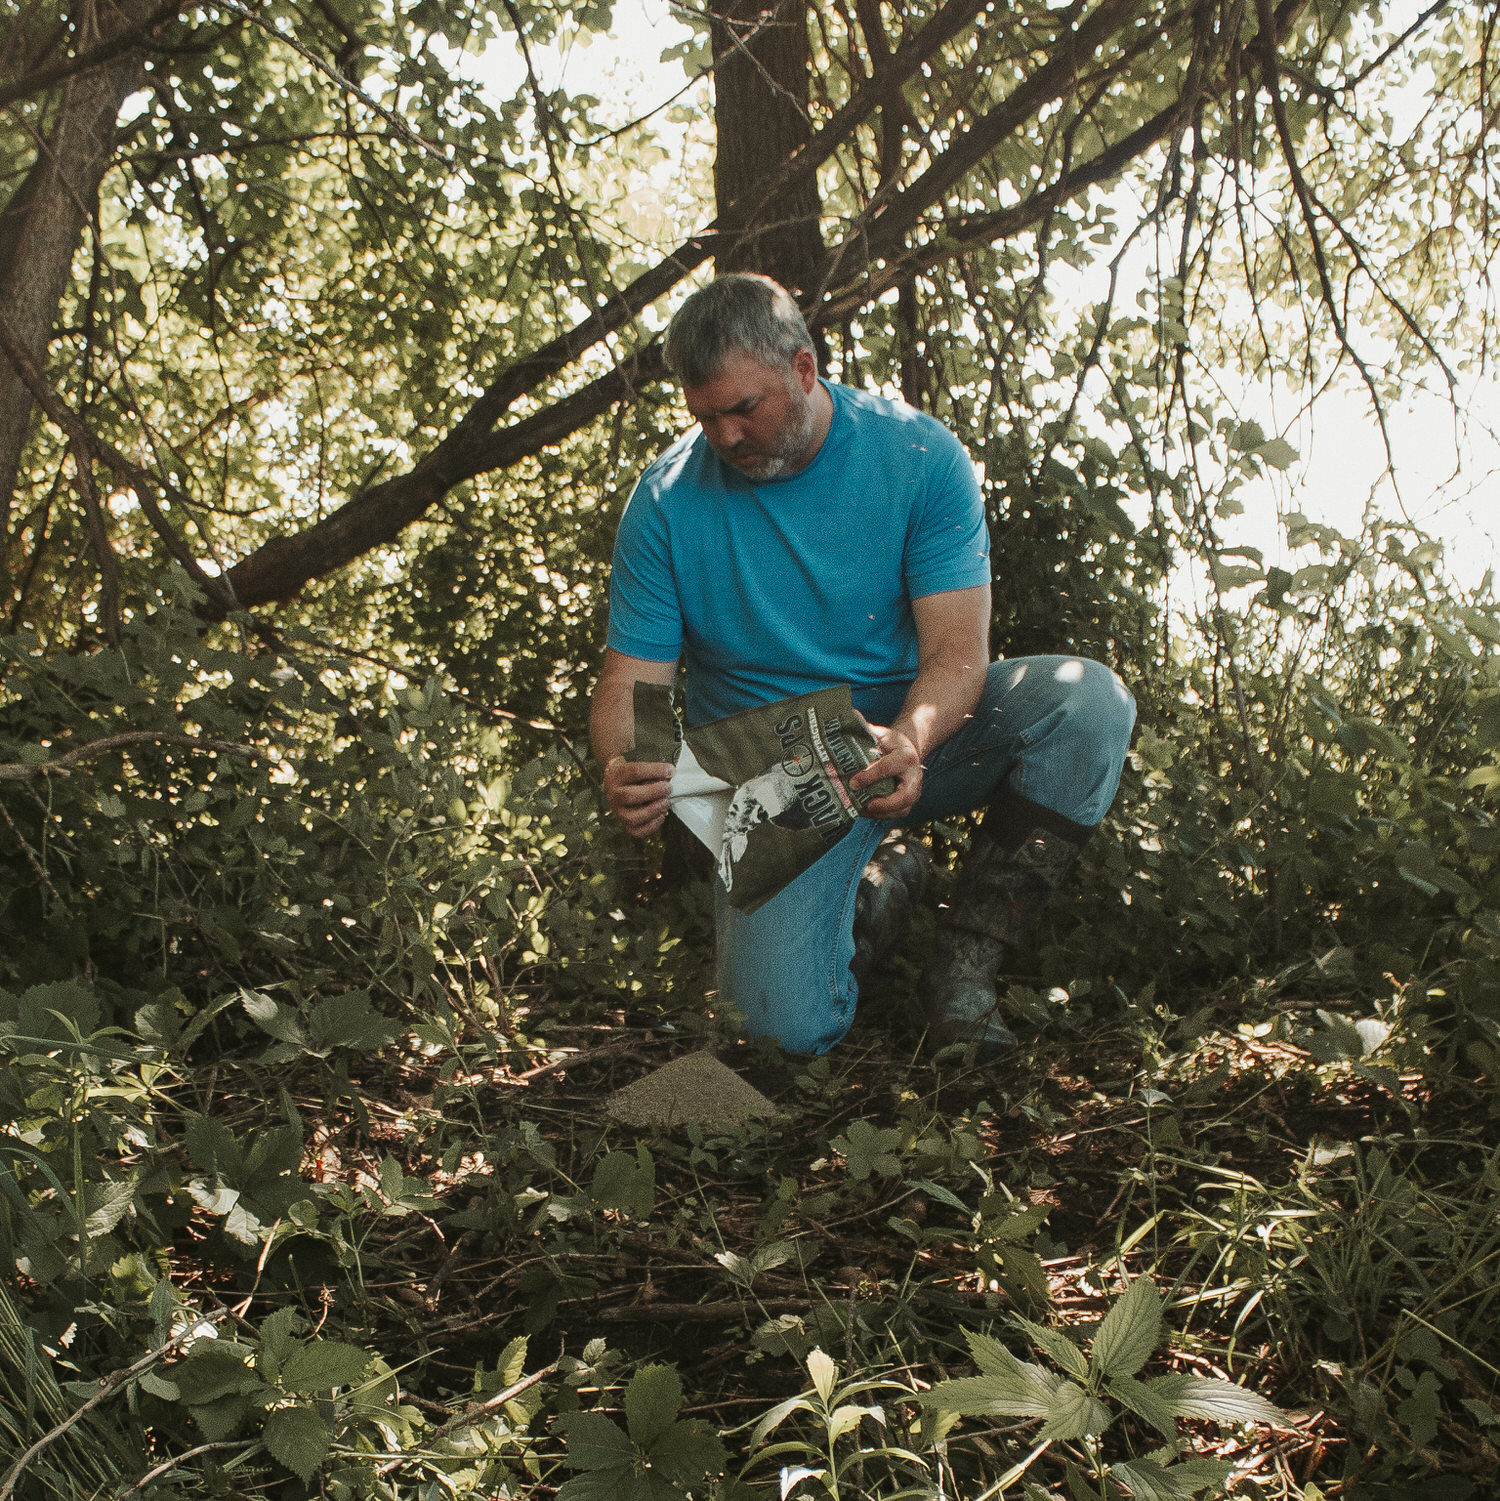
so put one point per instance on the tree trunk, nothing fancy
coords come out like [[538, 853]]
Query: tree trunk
[[761, 57], [42, 224]]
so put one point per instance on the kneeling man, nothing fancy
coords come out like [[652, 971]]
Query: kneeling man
[[809, 534]]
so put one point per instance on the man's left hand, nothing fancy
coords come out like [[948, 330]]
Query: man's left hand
[[899, 758]]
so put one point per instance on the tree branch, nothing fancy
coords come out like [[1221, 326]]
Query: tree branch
[[89, 57], [60, 766], [280, 567], [1271, 65], [218, 590]]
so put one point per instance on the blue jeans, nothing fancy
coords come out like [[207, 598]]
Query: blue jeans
[[1055, 728]]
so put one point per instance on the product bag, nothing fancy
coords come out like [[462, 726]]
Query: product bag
[[767, 789]]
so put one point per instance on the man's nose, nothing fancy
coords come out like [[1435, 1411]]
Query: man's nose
[[728, 432]]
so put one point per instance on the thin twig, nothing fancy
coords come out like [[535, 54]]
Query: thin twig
[[38, 869], [218, 589], [171, 1464], [107, 1385], [476, 1410], [566, 1062], [390, 117], [20, 771], [723, 1311], [1271, 77]]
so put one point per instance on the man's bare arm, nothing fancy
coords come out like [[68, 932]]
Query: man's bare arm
[[635, 790], [953, 657]]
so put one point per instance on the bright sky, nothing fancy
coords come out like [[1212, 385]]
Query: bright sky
[[1447, 463]]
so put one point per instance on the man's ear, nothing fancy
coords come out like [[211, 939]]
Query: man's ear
[[805, 363]]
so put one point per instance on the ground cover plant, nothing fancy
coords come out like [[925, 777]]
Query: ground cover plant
[[316, 984], [326, 357]]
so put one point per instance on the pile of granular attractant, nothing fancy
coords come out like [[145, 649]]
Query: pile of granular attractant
[[694, 1090]]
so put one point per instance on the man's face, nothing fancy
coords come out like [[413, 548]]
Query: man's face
[[757, 417]]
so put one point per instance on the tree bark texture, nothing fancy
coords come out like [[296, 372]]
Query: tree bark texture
[[761, 59], [43, 222]]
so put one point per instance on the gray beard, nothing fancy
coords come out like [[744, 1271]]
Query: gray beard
[[791, 444]]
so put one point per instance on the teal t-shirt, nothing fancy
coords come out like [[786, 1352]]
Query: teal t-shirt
[[776, 587]]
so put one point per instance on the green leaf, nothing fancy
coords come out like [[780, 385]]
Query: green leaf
[[1072, 1413], [604, 1485], [349, 1021], [652, 1401], [1129, 1331], [1148, 1481], [1343, 1040], [941, 1194], [821, 1368], [322, 1365], [1247, 436], [1278, 453], [280, 1021], [512, 1362], [868, 1150], [1199, 1474], [277, 1341], [1058, 1346], [775, 1417], [1218, 1401], [745, 1269], [221, 1418], [1144, 1404], [164, 1303], [298, 1438], [106, 1203], [626, 1181], [1422, 1410], [213, 1369], [688, 1452], [392, 1178], [168, 1391], [595, 1442], [212, 1146], [1235, 575], [1014, 1225], [1008, 1388]]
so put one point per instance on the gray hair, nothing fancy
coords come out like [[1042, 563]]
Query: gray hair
[[737, 313]]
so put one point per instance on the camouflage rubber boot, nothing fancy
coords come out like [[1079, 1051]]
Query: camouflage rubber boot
[[1014, 864], [889, 890]]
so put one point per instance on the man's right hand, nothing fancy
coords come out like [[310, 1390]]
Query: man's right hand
[[637, 793]]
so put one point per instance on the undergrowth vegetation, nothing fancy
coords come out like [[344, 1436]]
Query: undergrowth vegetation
[[316, 981], [319, 961]]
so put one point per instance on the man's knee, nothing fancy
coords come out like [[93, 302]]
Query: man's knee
[[782, 991], [1080, 774], [1104, 706], [806, 1034]]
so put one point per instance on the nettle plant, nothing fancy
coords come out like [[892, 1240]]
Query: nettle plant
[[1081, 1400]]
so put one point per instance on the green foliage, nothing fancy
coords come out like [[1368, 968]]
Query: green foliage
[[373, 843], [1074, 1409], [830, 1422], [626, 1181], [288, 977], [867, 1150], [659, 1457]]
